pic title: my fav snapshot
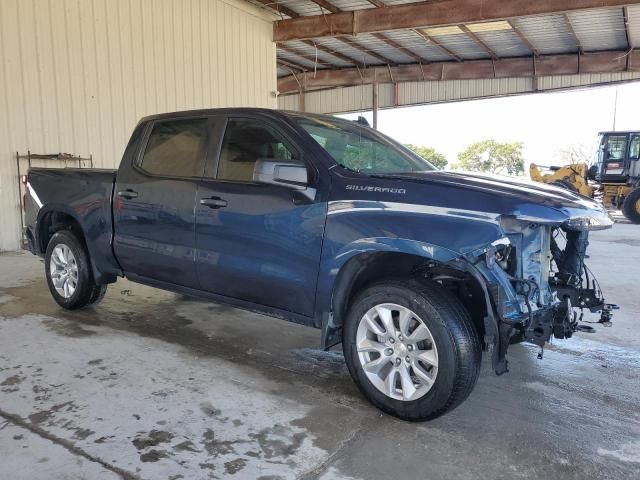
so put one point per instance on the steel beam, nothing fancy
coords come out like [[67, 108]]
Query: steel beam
[[478, 41], [427, 14], [596, 62], [397, 46], [352, 43], [573, 33], [335, 53]]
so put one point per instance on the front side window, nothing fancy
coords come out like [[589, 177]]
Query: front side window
[[246, 141], [634, 147], [616, 146], [174, 148], [361, 149]]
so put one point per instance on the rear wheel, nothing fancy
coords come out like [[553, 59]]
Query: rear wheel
[[411, 349], [631, 206], [69, 274]]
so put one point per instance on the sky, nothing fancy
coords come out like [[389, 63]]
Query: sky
[[546, 123]]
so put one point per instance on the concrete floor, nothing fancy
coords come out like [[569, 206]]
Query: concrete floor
[[149, 385]]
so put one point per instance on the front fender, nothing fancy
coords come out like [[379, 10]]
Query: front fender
[[333, 266]]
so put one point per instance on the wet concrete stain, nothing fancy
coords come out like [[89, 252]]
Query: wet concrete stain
[[82, 433], [97, 361], [68, 329], [42, 393], [211, 411], [234, 466], [153, 456], [152, 439], [278, 441], [13, 380], [321, 363], [186, 446], [217, 447], [44, 415]]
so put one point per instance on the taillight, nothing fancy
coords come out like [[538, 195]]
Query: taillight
[[24, 202], [23, 178]]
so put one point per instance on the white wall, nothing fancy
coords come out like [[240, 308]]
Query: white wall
[[77, 75]]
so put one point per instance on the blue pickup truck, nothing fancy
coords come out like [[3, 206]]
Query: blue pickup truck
[[327, 223]]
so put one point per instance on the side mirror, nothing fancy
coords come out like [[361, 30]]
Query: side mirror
[[280, 172]]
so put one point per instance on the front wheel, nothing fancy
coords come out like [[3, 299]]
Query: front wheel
[[69, 274], [411, 348], [631, 206]]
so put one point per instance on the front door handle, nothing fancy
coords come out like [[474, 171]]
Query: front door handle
[[128, 194], [213, 202]]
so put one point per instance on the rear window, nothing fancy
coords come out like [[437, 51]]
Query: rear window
[[174, 148]]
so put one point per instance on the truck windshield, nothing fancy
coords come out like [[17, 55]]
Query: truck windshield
[[360, 148]]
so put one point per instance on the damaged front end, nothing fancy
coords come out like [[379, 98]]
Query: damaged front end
[[537, 281]]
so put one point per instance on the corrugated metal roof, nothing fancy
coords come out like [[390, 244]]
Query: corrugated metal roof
[[600, 29], [324, 59], [401, 2], [633, 17], [382, 48], [352, 4], [339, 46], [504, 42], [592, 30], [548, 34], [419, 45], [457, 41]]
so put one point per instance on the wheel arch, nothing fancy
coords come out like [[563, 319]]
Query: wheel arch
[[54, 218], [390, 259]]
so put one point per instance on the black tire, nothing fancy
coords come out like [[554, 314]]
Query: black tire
[[87, 292], [631, 206], [459, 350], [97, 295]]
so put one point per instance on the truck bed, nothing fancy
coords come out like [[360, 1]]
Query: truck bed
[[86, 196]]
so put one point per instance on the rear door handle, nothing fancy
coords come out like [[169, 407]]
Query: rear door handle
[[128, 194], [213, 202]]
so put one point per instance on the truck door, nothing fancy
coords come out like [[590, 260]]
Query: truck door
[[255, 241], [154, 199], [613, 158]]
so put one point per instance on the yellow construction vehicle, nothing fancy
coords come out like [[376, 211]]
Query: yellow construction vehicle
[[615, 176], [572, 177]]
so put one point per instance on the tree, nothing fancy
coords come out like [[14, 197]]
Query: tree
[[493, 157], [435, 158], [575, 153]]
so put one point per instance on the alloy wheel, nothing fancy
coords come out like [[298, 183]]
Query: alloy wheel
[[63, 269], [397, 352]]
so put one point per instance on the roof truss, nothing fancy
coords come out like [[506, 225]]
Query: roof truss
[[426, 14]]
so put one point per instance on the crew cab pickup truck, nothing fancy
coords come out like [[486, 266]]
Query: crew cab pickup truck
[[327, 223]]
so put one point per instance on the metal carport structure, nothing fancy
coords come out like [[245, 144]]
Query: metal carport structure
[[331, 52]]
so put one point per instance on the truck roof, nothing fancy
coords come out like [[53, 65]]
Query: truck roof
[[228, 111]]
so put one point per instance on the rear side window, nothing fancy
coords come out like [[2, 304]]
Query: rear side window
[[174, 148], [246, 141]]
